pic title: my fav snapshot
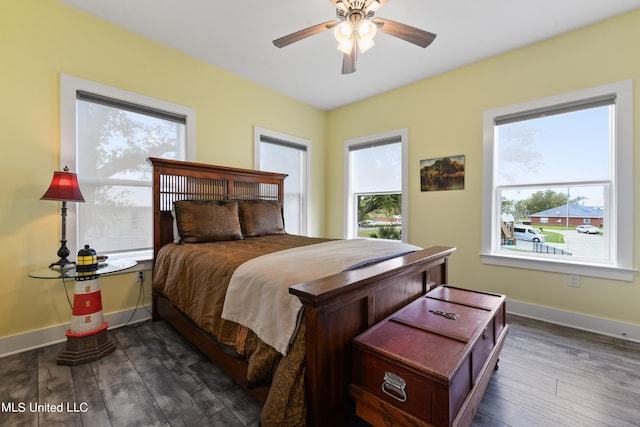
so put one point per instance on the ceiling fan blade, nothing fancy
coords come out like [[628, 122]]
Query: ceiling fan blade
[[299, 35], [405, 32], [349, 61]]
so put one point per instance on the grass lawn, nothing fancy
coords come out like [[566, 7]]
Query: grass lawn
[[553, 237]]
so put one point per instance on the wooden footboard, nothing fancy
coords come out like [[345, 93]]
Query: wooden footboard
[[339, 307]]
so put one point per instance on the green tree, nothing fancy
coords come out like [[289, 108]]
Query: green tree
[[385, 204], [520, 210], [543, 200], [507, 206]]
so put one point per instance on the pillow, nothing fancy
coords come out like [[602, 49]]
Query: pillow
[[260, 218], [207, 221]]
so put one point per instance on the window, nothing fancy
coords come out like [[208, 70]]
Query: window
[[107, 135], [376, 185], [554, 164], [277, 152]]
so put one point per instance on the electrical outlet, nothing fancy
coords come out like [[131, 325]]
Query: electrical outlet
[[141, 276], [574, 281]]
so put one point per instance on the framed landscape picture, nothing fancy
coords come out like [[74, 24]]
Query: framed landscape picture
[[442, 173]]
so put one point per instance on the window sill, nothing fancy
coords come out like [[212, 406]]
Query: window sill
[[555, 266]]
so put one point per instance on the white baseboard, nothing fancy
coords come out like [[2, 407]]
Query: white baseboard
[[55, 334], [598, 325]]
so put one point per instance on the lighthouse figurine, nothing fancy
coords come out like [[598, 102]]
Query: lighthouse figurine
[[87, 337]]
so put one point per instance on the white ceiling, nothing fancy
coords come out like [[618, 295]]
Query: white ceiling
[[236, 36]]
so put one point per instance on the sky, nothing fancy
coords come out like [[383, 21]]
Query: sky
[[562, 148]]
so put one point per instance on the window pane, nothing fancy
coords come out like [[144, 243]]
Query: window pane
[[568, 149], [115, 178], [558, 148], [116, 218], [376, 181], [380, 216], [377, 169], [551, 221], [290, 160]]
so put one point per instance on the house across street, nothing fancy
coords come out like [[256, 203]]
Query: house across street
[[575, 213]]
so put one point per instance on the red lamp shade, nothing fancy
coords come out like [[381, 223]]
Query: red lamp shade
[[64, 186]]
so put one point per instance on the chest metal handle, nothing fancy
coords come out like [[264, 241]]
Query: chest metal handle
[[393, 386]]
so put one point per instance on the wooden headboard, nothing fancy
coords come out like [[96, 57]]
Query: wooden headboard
[[179, 180]]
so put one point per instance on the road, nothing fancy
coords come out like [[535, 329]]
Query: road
[[582, 244], [579, 244]]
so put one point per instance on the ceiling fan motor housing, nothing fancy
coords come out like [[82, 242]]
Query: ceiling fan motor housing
[[355, 11], [355, 27]]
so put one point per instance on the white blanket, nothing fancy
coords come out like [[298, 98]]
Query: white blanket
[[258, 294]]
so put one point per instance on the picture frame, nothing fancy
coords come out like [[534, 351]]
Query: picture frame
[[442, 173]]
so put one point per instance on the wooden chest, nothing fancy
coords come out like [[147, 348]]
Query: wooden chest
[[429, 363]]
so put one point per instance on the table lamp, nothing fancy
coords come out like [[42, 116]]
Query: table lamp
[[64, 187]]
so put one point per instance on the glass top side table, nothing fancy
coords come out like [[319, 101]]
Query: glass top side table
[[87, 337], [69, 271]]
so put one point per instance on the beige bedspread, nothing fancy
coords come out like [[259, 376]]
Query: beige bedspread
[[258, 293], [195, 278]]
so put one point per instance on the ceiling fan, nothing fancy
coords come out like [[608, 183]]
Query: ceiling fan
[[354, 29]]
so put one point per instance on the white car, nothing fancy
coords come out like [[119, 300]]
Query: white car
[[589, 229], [528, 233]]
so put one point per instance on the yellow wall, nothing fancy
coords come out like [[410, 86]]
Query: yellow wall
[[39, 39], [444, 117]]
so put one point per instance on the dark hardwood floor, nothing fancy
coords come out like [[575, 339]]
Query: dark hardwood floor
[[551, 375], [548, 376]]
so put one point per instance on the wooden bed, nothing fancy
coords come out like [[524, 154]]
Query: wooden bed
[[337, 307]]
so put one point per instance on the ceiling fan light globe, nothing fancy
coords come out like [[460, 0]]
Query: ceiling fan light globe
[[343, 31], [373, 6], [340, 5], [367, 29], [365, 44], [345, 46]]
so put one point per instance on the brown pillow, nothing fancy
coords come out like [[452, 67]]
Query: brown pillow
[[207, 221], [260, 218]]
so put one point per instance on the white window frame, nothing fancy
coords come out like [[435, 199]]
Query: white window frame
[[258, 133], [69, 86], [350, 223], [620, 197]]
